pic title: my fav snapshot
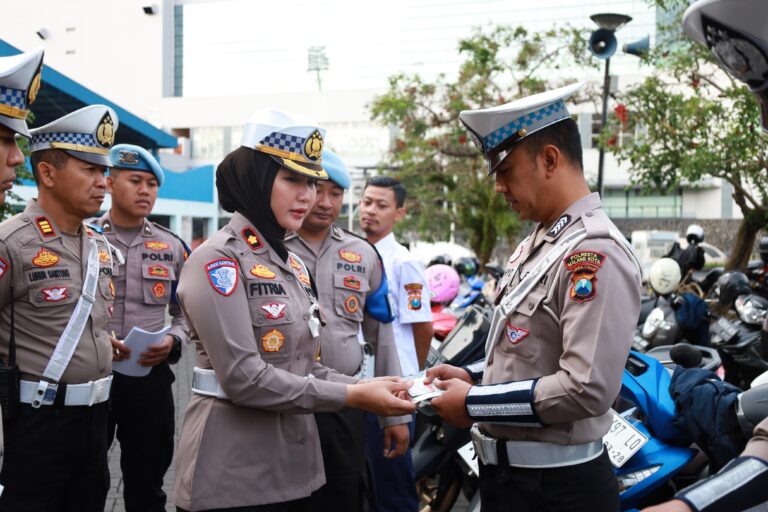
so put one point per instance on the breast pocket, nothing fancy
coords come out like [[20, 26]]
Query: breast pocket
[[520, 336], [156, 282], [349, 296], [274, 327]]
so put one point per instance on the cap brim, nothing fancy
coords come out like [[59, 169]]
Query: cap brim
[[17, 125], [91, 158], [315, 171]]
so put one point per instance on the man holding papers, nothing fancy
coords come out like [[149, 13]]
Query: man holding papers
[[144, 277]]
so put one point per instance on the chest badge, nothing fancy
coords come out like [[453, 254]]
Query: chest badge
[[251, 238], [304, 279], [414, 295], [262, 271], [350, 256], [45, 258], [294, 264], [515, 334], [4, 266], [272, 341], [352, 282], [158, 290], [222, 274], [583, 266], [54, 294], [103, 256], [351, 304], [274, 310], [155, 245], [158, 271], [112, 288]]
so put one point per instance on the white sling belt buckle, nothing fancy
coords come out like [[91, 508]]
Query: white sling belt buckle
[[534, 454], [44, 393], [204, 382]]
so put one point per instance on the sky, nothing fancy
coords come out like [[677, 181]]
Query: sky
[[256, 47]]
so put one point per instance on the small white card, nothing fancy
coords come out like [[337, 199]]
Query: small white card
[[420, 391]]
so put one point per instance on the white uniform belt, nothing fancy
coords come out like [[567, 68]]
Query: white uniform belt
[[204, 382], [44, 393], [533, 454]]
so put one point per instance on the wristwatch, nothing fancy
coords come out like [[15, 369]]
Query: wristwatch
[[175, 354]]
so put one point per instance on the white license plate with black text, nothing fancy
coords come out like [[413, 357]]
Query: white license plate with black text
[[622, 441]]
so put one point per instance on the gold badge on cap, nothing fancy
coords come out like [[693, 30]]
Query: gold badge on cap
[[314, 146], [105, 133], [34, 86]]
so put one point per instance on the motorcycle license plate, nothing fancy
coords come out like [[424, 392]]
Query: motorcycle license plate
[[467, 454], [622, 441]]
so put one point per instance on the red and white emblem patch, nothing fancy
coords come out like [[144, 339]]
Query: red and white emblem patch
[[54, 294], [4, 266], [274, 310], [514, 333]]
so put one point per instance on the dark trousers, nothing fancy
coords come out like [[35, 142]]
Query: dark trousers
[[589, 486], [56, 460], [393, 480], [342, 439], [302, 505], [142, 412]]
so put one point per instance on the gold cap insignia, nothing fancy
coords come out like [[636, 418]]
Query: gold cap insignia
[[34, 86], [105, 133], [314, 146]]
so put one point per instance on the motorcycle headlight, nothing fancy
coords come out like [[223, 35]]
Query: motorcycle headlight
[[653, 322], [750, 310]]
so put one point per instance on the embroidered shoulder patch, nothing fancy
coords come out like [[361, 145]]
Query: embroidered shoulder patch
[[350, 256], [251, 238], [262, 271], [559, 225], [45, 227], [515, 334], [222, 274], [583, 266], [414, 295], [4, 266]]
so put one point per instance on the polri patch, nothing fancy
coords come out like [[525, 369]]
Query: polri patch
[[350, 256], [414, 295], [156, 245], [251, 238], [45, 227], [274, 310], [583, 266], [352, 304], [262, 271], [272, 341], [352, 282], [222, 274], [4, 266], [158, 290], [56, 294], [45, 258], [515, 334]]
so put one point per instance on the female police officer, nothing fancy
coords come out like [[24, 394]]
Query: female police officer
[[252, 311]]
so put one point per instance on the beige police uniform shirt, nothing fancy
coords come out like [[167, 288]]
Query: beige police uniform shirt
[[247, 311], [144, 283], [758, 445], [572, 332], [47, 275], [346, 269]]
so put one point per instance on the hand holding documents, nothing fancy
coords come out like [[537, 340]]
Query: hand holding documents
[[138, 340], [420, 391]]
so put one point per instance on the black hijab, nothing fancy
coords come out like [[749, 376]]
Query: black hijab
[[244, 180]]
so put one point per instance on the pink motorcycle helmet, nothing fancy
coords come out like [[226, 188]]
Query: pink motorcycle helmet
[[443, 282]]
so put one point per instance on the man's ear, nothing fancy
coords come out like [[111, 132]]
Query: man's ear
[[110, 183], [551, 157], [46, 174], [400, 213]]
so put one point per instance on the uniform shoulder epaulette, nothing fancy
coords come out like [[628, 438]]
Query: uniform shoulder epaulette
[[177, 237], [10, 226], [364, 240], [597, 224]]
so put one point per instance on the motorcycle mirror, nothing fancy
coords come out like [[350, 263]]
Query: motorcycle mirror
[[686, 355]]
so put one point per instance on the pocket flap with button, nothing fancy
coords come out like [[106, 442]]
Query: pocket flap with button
[[532, 301], [53, 294]]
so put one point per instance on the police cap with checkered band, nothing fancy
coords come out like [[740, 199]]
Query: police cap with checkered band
[[498, 130], [135, 158], [736, 32], [20, 77], [86, 134], [293, 141]]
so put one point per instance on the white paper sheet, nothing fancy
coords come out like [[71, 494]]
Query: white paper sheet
[[138, 340]]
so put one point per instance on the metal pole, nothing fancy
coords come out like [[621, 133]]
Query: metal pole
[[603, 120]]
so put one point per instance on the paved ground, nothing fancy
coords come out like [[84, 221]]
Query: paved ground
[[181, 391]]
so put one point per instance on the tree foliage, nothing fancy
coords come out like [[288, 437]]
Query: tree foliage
[[445, 174], [695, 122]]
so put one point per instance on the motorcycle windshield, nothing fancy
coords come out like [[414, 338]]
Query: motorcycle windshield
[[472, 328]]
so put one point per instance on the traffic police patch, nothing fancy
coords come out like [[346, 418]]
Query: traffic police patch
[[54, 294], [45, 258], [414, 295], [274, 310], [45, 227], [222, 274], [583, 266], [262, 271], [4, 266], [250, 237], [514, 333], [351, 304], [156, 245], [272, 341], [158, 290], [158, 271], [352, 282], [350, 256]]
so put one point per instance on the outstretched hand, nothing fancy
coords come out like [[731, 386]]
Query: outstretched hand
[[380, 397], [447, 372], [451, 404]]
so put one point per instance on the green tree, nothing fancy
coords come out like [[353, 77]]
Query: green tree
[[445, 174], [694, 122]]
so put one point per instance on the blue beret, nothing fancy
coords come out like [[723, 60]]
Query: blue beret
[[337, 171], [135, 158]]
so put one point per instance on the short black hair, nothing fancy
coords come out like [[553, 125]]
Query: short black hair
[[564, 135], [390, 183], [55, 157]]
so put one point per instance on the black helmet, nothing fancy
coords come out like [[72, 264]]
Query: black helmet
[[763, 249], [731, 285], [467, 267], [440, 259]]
